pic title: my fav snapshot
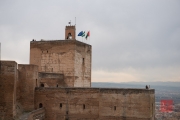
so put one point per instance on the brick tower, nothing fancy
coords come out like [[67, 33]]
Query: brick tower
[[70, 32], [69, 57]]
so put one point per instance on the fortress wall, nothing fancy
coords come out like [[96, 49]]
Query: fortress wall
[[8, 79], [54, 57], [96, 103], [28, 78], [52, 79], [130, 103], [64, 57], [82, 65]]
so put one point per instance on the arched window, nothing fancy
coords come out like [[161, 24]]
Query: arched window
[[69, 36], [40, 105], [42, 85]]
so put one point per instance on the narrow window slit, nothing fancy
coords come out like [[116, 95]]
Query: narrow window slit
[[60, 105], [40, 105], [83, 61], [114, 107], [84, 106]]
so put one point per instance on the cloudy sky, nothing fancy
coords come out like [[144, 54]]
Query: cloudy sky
[[132, 40]]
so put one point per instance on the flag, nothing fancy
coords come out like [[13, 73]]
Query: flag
[[88, 34], [83, 34], [80, 34]]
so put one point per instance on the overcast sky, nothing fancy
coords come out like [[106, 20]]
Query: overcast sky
[[132, 40]]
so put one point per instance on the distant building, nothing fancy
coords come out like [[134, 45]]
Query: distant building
[[56, 85]]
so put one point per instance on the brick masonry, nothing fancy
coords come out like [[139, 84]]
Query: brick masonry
[[69, 57], [8, 79], [96, 103]]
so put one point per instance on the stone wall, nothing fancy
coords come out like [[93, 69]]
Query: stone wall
[[64, 57], [8, 78], [28, 80], [82, 65], [96, 103], [51, 79]]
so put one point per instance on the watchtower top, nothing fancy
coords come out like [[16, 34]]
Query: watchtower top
[[70, 32]]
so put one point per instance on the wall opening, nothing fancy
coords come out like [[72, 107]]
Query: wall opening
[[47, 51], [114, 107], [60, 105], [83, 61], [84, 106], [42, 85], [67, 112], [57, 85], [40, 105], [69, 36], [36, 82]]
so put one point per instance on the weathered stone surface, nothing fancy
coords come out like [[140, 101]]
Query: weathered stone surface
[[8, 78], [69, 57], [52, 79], [96, 103], [28, 80]]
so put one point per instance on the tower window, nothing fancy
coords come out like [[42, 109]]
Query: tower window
[[84, 106], [42, 85], [47, 51], [69, 36], [60, 105], [114, 107], [40, 105], [83, 61]]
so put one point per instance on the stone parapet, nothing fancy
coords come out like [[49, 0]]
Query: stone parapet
[[96, 103]]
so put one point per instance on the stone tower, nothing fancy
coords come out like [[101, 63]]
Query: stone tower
[[70, 32], [70, 58]]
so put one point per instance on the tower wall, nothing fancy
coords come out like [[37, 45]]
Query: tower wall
[[64, 57], [28, 80], [51, 79], [82, 65], [96, 103], [8, 78]]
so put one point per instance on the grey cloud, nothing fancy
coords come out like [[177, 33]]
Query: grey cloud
[[138, 34]]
